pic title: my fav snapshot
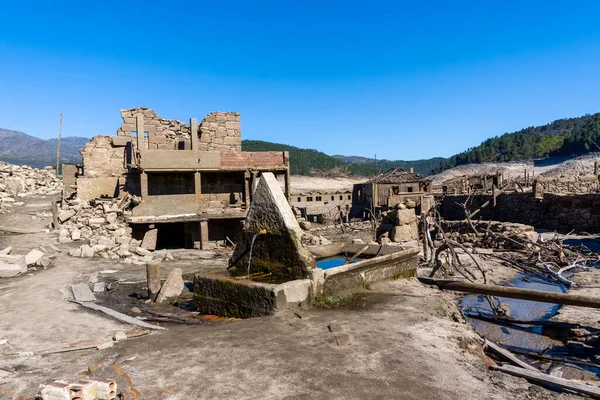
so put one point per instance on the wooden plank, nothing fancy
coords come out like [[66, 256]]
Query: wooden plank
[[507, 355], [539, 377], [118, 315], [515, 293], [82, 292]]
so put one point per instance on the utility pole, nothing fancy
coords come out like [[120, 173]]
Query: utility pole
[[58, 145]]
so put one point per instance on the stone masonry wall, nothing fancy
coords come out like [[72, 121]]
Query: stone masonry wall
[[102, 159], [163, 134], [220, 131], [579, 184], [560, 212]]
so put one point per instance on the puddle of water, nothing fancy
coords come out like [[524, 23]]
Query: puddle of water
[[530, 336], [333, 262]]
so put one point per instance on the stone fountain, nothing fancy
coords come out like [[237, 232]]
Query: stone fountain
[[271, 270], [271, 237]]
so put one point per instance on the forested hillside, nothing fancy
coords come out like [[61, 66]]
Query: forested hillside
[[313, 162], [571, 136]]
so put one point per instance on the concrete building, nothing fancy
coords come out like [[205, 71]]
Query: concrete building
[[322, 206], [194, 181], [384, 191]]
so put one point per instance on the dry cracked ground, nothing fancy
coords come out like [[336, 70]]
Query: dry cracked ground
[[398, 340]]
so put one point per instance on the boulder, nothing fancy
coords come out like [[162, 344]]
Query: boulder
[[172, 287]]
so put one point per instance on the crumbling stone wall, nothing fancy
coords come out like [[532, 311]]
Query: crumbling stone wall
[[163, 134], [102, 159], [220, 131], [560, 212], [578, 184], [461, 231]]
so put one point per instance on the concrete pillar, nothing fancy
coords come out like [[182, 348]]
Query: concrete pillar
[[153, 279], [144, 184], [139, 126], [194, 133], [203, 235]]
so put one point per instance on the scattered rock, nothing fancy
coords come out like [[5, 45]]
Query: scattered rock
[[150, 238], [33, 256], [172, 287]]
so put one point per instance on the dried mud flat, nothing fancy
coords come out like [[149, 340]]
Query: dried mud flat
[[400, 339]]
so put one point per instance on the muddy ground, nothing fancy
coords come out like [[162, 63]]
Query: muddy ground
[[404, 340]]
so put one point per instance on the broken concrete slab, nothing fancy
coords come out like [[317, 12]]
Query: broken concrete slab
[[143, 252], [9, 270], [82, 292], [87, 251], [150, 238], [172, 287], [65, 215], [99, 287], [33, 256]]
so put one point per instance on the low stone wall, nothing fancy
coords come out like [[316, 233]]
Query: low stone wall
[[560, 212], [342, 228], [351, 277]]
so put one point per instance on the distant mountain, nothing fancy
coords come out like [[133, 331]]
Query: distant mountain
[[20, 148]]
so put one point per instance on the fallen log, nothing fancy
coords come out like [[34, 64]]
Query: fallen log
[[117, 315], [507, 355], [551, 381], [557, 359], [515, 293]]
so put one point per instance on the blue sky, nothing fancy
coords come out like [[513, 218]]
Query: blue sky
[[399, 79]]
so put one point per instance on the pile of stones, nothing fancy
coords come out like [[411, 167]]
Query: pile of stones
[[399, 225], [23, 181], [501, 235], [102, 225]]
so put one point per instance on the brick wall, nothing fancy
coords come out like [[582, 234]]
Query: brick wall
[[253, 159]]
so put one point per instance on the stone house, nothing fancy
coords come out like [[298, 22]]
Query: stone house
[[395, 186], [194, 181]]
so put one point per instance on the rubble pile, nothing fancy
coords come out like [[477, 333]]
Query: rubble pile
[[507, 234], [101, 223], [23, 181], [12, 265]]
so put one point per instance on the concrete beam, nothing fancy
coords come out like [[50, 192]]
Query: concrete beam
[[139, 126]]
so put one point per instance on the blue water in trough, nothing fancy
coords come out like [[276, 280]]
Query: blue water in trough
[[333, 262]]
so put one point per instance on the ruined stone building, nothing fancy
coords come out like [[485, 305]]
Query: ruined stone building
[[322, 206], [476, 183], [395, 186], [194, 181]]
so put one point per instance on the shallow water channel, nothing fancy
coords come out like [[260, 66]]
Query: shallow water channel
[[523, 337]]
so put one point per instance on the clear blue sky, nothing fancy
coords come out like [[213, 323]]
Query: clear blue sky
[[400, 79]]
